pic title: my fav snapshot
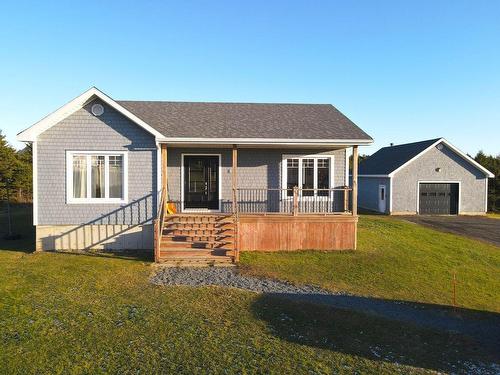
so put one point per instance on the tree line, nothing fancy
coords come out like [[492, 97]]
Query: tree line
[[16, 181], [492, 163]]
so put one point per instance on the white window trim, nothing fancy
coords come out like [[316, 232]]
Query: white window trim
[[106, 199], [284, 174]]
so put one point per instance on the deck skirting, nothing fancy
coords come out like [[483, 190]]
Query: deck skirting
[[303, 232]]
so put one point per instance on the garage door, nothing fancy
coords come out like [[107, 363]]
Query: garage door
[[438, 199]]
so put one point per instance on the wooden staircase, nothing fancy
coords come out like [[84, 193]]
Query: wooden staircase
[[198, 239]]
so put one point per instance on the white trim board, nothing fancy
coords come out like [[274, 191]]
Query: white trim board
[[486, 197], [346, 171], [35, 182], [459, 211], [266, 141], [159, 188], [30, 134], [182, 183], [390, 194]]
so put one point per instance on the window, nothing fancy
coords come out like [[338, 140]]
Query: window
[[96, 177], [308, 177], [323, 175], [310, 173], [382, 193], [292, 175]]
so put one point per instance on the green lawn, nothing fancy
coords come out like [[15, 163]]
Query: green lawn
[[396, 260], [63, 313], [493, 215]]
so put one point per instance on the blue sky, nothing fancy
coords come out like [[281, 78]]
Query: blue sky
[[403, 71]]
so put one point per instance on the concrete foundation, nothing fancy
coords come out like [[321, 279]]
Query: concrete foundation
[[94, 237]]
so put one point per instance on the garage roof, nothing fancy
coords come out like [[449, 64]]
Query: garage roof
[[388, 160]]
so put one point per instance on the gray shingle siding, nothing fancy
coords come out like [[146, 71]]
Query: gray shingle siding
[[453, 168], [257, 168], [83, 131]]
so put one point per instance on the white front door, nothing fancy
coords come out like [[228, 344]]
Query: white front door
[[381, 198]]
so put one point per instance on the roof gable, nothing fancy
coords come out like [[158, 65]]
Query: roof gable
[[30, 134], [389, 160]]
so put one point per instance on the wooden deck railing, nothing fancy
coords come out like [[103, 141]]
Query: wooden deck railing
[[294, 201], [158, 226]]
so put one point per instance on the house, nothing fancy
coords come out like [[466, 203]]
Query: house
[[204, 180], [427, 177]]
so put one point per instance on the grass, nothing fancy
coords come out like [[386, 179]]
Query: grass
[[493, 215], [396, 260], [63, 313]]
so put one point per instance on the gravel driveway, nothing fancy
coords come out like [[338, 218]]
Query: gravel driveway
[[485, 330], [478, 227]]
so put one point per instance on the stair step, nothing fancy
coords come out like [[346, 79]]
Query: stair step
[[200, 219], [199, 238], [198, 232], [198, 262], [212, 226], [190, 246], [203, 239], [172, 252], [182, 239]]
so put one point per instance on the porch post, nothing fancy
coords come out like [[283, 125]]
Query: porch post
[[164, 175], [235, 178], [355, 180]]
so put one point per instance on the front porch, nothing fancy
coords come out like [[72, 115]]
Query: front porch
[[206, 213]]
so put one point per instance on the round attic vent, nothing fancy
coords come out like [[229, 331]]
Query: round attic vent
[[97, 109]]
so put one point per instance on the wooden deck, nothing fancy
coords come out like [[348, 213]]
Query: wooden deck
[[217, 239], [305, 219]]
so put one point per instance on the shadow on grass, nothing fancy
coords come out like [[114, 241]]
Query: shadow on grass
[[331, 326], [22, 224]]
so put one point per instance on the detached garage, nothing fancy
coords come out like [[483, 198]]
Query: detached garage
[[429, 178]]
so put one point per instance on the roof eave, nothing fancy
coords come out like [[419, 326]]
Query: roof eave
[[268, 141]]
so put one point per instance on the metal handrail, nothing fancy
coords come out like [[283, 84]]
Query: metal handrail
[[293, 201]]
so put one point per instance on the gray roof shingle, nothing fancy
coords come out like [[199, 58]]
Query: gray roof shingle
[[246, 120], [387, 159]]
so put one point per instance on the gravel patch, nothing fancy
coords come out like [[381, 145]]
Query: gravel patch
[[229, 277]]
